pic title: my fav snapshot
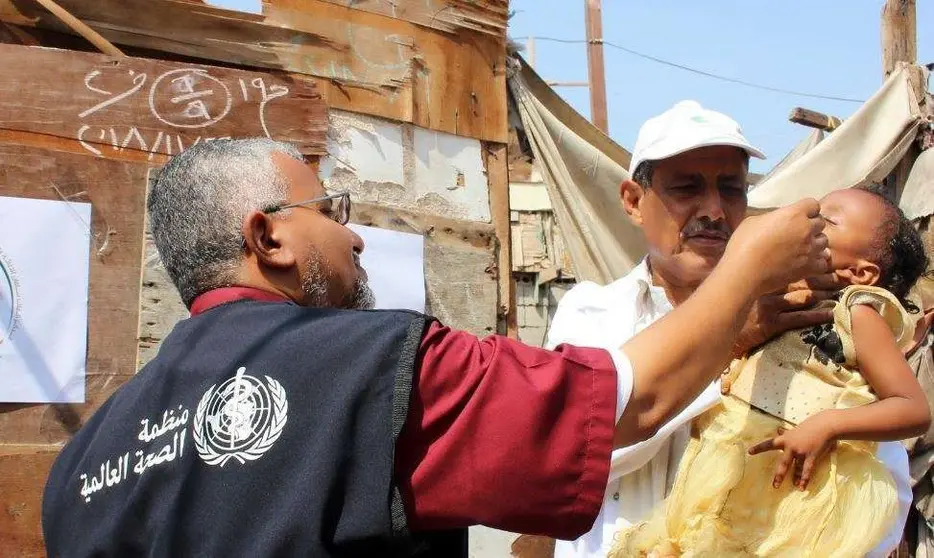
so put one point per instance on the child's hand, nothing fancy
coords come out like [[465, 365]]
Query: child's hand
[[801, 446]]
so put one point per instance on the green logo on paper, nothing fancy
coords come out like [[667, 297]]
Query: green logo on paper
[[9, 298]]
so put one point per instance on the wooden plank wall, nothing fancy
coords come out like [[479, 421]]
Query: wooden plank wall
[[436, 71], [437, 64], [94, 125]]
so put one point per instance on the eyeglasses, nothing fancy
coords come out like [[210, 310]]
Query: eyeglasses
[[338, 212]]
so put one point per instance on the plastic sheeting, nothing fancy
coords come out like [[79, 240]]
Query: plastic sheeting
[[582, 169], [863, 150], [806, 145], [917, 199]]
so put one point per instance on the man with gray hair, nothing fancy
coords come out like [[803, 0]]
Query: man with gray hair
[[202, 251], [281, 419]]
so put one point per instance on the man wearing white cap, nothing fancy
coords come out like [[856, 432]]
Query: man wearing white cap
[[688, 194]]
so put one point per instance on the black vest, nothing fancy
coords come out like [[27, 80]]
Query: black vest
[[259, 430]]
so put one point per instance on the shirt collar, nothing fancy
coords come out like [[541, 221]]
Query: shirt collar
[[223, 295], [651, 298], [641, 274]]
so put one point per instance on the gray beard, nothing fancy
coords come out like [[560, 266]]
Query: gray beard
[[315, 287], [362, 297]]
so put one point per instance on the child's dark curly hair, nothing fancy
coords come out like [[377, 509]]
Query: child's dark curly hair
[[899, 251]]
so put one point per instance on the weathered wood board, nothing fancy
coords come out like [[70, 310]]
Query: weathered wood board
[[497, 168], [483, 16], [22, 479], [113, 104], [460, 265], [374, 64], [160, 306]]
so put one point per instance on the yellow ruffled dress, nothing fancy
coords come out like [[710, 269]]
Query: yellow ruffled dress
[[722, 503]]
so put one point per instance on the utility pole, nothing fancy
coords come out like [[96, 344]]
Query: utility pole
[[595, 67], [899, 34]]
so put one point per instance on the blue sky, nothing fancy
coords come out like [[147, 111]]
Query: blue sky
[[829, 47]]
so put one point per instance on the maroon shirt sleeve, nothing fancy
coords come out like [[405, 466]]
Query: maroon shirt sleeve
[[506, 435]]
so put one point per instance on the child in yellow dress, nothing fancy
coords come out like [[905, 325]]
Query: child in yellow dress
[[821, 396]]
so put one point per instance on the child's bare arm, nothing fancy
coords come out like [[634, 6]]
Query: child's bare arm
[[901, 411]]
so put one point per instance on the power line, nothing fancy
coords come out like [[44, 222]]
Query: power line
[[702, 72]]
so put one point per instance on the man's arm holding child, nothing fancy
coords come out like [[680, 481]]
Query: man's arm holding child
[[791, 307], [901, 411]]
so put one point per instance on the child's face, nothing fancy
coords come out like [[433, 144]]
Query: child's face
[[852, 217]]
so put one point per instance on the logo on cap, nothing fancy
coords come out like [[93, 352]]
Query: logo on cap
[[240, 419]]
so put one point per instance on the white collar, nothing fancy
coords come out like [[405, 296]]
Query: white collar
[[651, 298]]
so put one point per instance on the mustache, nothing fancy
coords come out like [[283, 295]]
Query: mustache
[[718, 228]]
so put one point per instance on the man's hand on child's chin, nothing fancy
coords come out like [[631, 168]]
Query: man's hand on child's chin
[[802, 447], [826, 282], [791, 308]]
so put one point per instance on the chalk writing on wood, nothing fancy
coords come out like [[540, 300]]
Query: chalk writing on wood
[[183, 98], [156, 107], [189, 92]]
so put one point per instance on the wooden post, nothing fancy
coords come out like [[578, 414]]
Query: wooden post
[[899, 34], [81, 28], [497, 171], [899, 46], [814, 119], [595, 66]]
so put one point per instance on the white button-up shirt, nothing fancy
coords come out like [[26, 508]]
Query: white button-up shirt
[[642, 474]]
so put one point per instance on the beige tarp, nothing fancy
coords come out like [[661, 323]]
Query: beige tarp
[[806, 145], [917, 199], [583, 170], [864, 149]]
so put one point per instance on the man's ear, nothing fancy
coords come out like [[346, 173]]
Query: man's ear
[[263, 239], [632, 194], [862, 272]]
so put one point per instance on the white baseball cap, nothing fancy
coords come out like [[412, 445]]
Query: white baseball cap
[[684, 127]]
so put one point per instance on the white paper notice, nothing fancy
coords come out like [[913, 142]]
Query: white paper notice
[[394, 262], [44, 259]]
